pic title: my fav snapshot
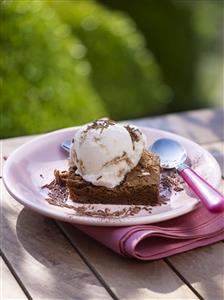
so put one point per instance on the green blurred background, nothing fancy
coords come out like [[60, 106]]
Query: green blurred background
[[64, 63]]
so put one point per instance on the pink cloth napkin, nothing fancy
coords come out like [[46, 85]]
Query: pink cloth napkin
[[148, 242]]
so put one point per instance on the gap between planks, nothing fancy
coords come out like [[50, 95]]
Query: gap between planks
[[183, 278], [97, 274], [14, 274], [85, 260]]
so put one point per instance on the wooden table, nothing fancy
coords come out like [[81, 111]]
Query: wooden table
[[46, 259]]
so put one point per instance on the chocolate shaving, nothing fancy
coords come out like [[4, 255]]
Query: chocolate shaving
[[149, 209], [118, 159], [121, 173], [97, 139], [99, 124], [178, 189], [171, 182], [81, 166], [75, 155], [58, 197], [134, 133]]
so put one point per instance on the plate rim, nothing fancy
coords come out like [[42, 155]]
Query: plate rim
[[97, 221]]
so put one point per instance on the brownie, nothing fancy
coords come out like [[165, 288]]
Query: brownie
[[140, 186]]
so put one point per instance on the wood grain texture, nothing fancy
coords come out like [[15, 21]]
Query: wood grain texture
[[43, 259], [217, 150], [7, 146], [9, 288], [201, 126], [204, 270], [129, 278]]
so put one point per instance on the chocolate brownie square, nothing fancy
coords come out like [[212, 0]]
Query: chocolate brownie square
[[140, 186]]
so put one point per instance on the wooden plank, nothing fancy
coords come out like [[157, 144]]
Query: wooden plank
[[204, 270], [217, 150], [201, 126], [42, 258], [10, 289], [129, 278], [7, 146]]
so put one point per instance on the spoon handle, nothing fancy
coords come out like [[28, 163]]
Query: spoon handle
[[211, 198]]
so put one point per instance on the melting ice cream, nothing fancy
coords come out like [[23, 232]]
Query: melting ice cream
[[104, 152]]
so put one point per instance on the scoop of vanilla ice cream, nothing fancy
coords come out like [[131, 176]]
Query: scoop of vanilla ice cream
[[104, 152]]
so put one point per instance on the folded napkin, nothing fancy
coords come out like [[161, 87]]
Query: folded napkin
[[148, 242]]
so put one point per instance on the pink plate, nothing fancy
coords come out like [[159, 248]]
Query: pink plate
[[21, 176]]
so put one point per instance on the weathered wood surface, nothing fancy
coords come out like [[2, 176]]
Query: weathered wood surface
[[217, 150], [42, 257], [128, 278], [7, 146], [203, 268], [10, 289], [201, 126], [56, 261]]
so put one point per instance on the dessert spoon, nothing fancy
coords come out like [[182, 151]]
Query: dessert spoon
[[66, 145], [173, 155]]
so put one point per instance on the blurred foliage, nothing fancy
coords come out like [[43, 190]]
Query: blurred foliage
[[124, 74], [44, 85], [65, 62], [183, 35], [208, 22]]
